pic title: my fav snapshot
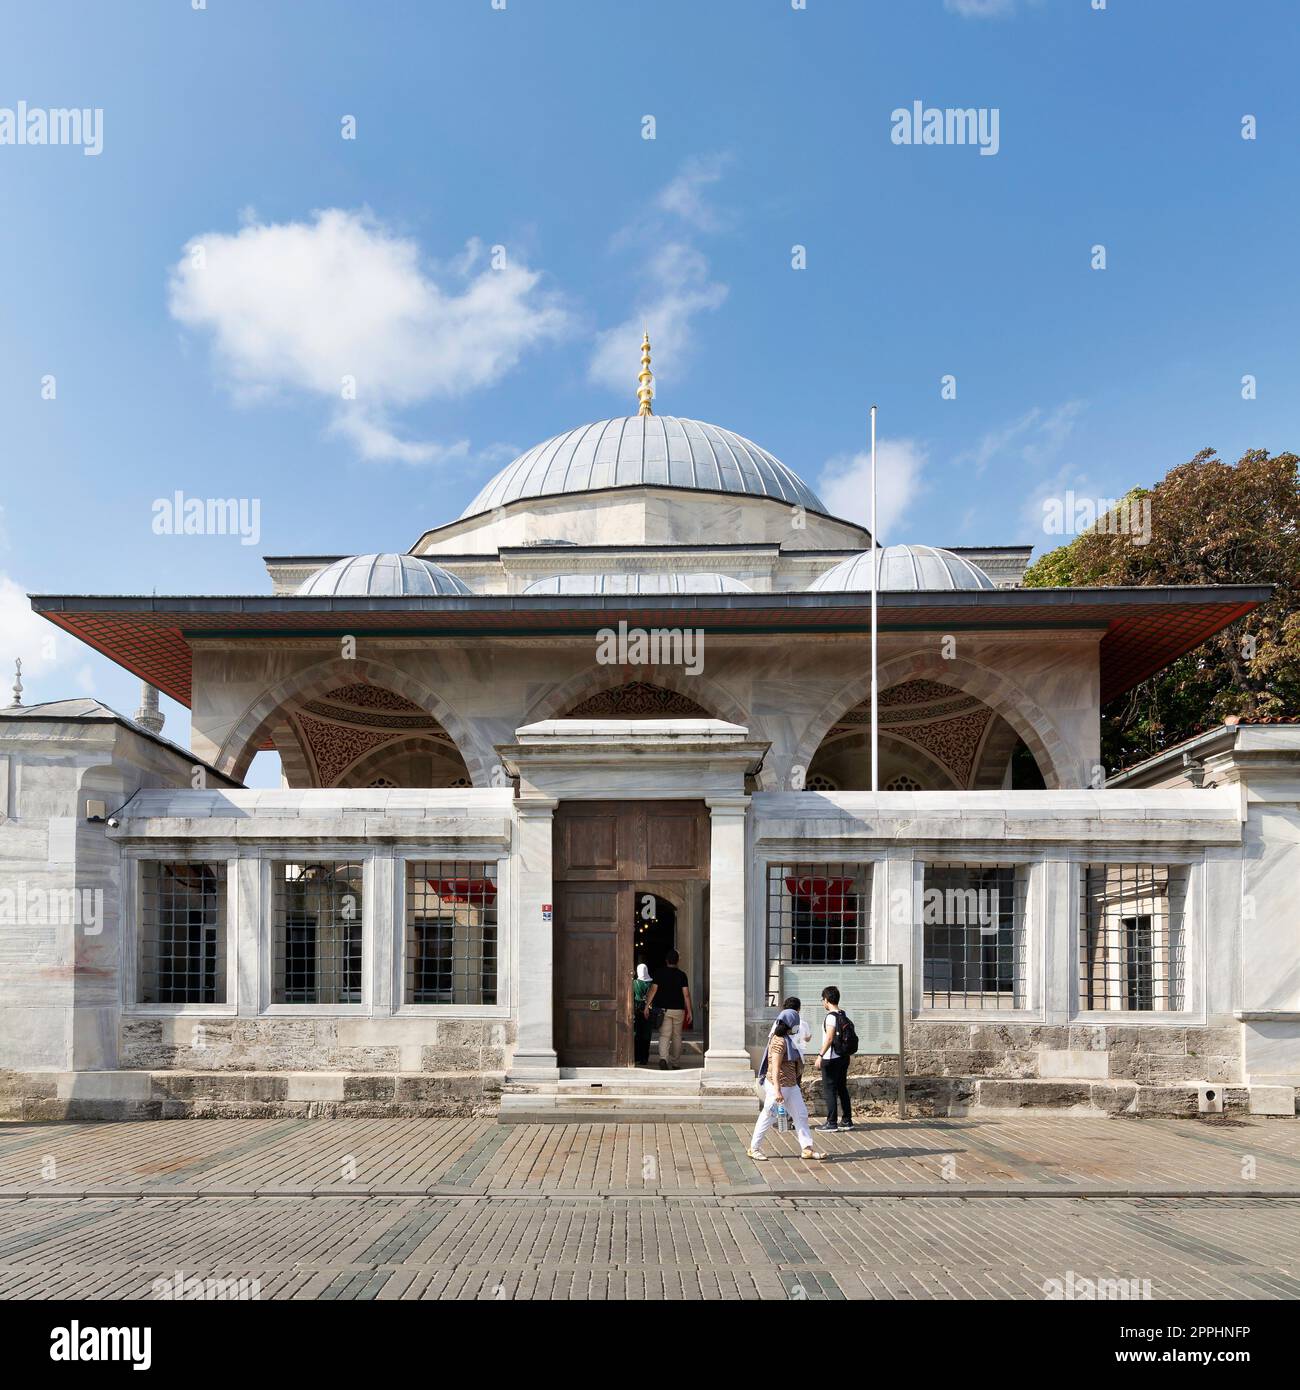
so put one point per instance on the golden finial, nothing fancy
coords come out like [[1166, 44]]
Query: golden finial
[[645, 391]]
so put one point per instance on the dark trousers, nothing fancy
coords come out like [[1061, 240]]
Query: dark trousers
[[641, 1035], [835, 1089]]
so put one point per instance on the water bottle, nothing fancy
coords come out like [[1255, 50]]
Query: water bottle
[[782, 1119]]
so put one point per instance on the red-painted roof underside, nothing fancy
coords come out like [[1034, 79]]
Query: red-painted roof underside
[[1143, 629]]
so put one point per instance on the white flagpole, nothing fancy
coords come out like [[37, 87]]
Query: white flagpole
[[875, 707]]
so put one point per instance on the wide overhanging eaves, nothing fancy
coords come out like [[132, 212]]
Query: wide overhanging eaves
[[1142, 629]]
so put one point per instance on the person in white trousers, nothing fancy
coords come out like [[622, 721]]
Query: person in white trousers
[[784, 1065]]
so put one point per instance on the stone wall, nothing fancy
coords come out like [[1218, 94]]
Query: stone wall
[[1149, 1054], [965, 1095], [363, 1045], [38, 1097]]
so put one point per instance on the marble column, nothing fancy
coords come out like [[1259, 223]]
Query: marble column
[[534, 1056], [727, 879]]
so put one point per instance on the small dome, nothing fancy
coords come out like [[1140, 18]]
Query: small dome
[[645, 451], [615, 583], [382, 576], [921, 568]]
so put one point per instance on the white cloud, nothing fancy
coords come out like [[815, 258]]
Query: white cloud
[[845, 485], [1034, 438], [675, 278], [684, 197], [372, 438], [981, 9], [681, 287], [309, 306], [1056, 489], [44, 650]]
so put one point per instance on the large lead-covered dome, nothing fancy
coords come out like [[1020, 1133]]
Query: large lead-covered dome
[[645, 451]]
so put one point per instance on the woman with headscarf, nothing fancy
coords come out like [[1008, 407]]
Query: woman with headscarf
[[640, 1023], [799, 1039], [781, 1087]]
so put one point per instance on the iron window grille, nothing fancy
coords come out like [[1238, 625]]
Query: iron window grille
[[451, 932], [182, 933], [317, 936], [817, 914], [1131, 937], [973, 935]]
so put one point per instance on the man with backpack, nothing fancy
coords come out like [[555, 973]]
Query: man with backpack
[[839, 1043]]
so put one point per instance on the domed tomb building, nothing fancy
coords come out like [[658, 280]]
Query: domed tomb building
[[622, 705]]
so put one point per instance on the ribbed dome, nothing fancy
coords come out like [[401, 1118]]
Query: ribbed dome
[[645, 450], [917, 567], [704, 582], [381, 576]]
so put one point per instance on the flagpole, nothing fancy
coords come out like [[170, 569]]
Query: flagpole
[[875, 705]]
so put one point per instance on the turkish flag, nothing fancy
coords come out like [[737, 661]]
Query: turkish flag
[[824, 897], [480, 891]]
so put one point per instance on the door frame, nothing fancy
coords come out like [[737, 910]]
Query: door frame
[[686, 888]]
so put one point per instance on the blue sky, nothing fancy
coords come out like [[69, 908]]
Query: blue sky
[[522, 129]]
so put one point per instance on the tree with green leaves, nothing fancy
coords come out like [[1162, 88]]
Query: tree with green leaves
[[1211, 523]]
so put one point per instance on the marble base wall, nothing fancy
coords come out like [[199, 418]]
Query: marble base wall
[[361, 1045], [1148, 1055], [37, 1097]]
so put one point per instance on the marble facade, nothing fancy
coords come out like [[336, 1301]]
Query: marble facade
[[75, 1039]]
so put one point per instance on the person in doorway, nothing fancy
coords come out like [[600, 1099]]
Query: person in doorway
[[834, 1067], [781, 1087], [670, 991], [640, 1016]]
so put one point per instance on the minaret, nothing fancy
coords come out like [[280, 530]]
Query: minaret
[[149, 716], [18, 683], [645, 391]]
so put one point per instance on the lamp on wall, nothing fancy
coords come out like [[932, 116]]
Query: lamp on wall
[[1194, 770]]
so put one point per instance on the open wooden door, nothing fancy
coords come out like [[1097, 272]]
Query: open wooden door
[[593, 971], [602, 850]]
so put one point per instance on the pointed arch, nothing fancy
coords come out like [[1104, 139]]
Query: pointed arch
[[267, 712], [1033, 725], [705, 693]]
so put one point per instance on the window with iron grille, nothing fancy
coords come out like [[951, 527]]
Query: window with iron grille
[[973, 930], [316, 941], [1131, 937], [451, 932], [182, 933], [817, 914]]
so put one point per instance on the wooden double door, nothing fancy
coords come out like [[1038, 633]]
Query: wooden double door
[[603, 852]]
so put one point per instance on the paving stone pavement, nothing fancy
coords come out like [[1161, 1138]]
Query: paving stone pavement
[[402, 1157], [548, 1247], [423, 1209]]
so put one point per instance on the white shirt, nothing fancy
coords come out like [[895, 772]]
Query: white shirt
[[832, 1018]]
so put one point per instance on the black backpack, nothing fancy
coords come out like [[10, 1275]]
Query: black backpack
[[846, 1035]]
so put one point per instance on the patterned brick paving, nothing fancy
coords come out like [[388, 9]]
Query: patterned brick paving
[[458, 1157], [650, 1248], [415, 1209]]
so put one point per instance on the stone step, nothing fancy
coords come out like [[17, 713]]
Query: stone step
[[591, 1083], [626, 1109], [658, 1094], [650, 1076], [660, 1081]]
